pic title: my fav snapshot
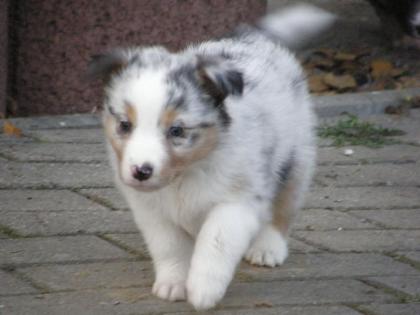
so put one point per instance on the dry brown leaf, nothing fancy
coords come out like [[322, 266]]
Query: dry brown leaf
[[11, 130], [397, 72], [342, 56], [316, 83], [381, 68], [340, 82]]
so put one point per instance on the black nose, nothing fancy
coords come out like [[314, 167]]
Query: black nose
[[143, 172]]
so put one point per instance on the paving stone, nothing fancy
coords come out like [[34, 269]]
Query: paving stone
[[368, 175], [93, 275], [266, 309], [57, 249], [6, 139], [12, 285], [93, 302], [308, 292], [91, 135], [68, 222], [55, 152], [108, 196], [324, 220], [327, 265], [140, 301], [390, 153], [401, 219], [56, 122], [407, 284], [411, 255], [45, 200], [51, 175], [393, 309], [132, 241], [300, 247], [362, 198], [364, 240]]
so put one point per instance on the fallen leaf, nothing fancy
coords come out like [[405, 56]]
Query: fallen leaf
[[11, 130], [342, 56], [340, 82], [316, 83], [381, 68]]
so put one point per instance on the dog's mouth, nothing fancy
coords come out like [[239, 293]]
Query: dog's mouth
[[147, 186]]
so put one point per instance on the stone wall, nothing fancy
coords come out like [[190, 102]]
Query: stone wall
[[56, 39]]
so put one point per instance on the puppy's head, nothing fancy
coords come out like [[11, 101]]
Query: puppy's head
[[163, 112]]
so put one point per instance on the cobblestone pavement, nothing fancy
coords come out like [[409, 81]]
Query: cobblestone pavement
[[68, 244]]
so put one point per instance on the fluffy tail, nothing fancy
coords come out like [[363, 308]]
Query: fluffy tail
[[293, 26]]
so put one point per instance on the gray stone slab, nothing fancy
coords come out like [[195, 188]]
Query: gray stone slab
[[56, 122], [308, 292], [108, 196], [401, 219], [95, 135], [137, 301], [45, 200], [406, 284], [93, 275], [364, 240], [324, 220], [368, 175], [393, 309], [57, 249], [240, 295], [68, 222], [300, 247], [363, 104], [390, 153], [12, 285], [51, 175], [363, 198], [6, 139], [55, 152], [267, 309], [326, 265], [132, 242], [411, 255]]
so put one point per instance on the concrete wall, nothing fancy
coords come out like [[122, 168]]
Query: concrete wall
[[57, 37]]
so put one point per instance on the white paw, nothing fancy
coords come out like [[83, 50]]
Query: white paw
[[268, 249], [172, 291], [204, 292]]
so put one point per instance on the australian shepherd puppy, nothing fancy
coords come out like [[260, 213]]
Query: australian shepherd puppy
[[213, 148]]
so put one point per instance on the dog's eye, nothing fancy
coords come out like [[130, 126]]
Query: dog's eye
[[124, 127], [176, 132]]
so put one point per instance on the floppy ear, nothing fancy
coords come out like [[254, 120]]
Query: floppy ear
[[219, 78], [104, 66]]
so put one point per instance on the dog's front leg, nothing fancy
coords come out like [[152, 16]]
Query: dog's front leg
[[171, 250], [220, 245]]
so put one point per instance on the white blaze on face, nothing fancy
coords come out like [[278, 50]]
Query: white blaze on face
[[148, 96]]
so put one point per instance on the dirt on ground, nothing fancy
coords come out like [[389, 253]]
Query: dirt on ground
[[356, 55]]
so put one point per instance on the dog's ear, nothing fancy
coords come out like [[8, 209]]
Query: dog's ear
[[104, 66], [218, 78]]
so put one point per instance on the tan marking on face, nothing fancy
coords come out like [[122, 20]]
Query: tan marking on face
[[284, 207], [168, 118], [178, 163], [131, 112], [117, 143]]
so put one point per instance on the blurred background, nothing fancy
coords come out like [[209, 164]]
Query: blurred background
[[46, 46]]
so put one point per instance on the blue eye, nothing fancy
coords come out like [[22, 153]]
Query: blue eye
[[176, 132]]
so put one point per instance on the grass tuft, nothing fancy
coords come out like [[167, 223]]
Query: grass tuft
[[352, 131]]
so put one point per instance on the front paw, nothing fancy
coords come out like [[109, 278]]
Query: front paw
[[167, 290], [205, 291]]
